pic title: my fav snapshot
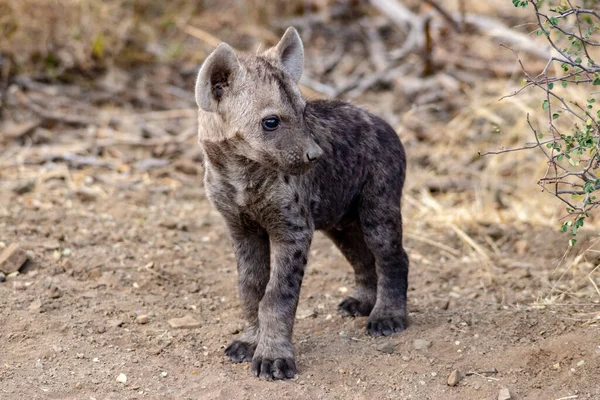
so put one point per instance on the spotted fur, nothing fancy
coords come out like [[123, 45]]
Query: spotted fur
[[273, 198]]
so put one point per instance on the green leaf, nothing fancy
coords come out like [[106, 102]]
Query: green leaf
[[564, 84], [555, 116], [545, 105], [572, 242], [98, 46], [551, 85]]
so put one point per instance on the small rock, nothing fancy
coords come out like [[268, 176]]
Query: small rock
[[172, 223], [304, 314], [186, 322], [54, 292], [115, 323], [421, 344], [387, 348], [142, 319], [164, 374], [86, 194], [234, 328], [35, 305], [443, 304], [12, 259], [2, 277], [454, 378], [406, 358], [504, 394], [24, 187], [122, 378]]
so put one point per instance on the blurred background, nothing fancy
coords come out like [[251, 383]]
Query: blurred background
[[101, 171]]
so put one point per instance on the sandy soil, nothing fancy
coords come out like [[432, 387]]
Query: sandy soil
[[69, 320]]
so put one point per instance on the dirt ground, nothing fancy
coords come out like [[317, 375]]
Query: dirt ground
[[69, 321], [101, 185]]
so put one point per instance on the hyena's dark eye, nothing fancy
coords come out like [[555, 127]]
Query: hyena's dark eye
[[270, 123]]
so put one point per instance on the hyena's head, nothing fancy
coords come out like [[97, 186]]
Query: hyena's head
[[253, 102]]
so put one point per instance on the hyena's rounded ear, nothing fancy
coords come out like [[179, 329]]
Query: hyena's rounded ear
[[215, 76], [291, 53]]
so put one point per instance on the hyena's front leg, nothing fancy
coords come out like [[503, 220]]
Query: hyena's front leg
[[274, 355], [252, 254]]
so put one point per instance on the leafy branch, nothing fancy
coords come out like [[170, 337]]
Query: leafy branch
[[570, 142]]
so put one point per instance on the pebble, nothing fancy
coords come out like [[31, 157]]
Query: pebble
[[115, 323], [122, 378], [86, 194], [12, 259], [54, 292], [406, 358], [142, 319], [387, 348], [504, 394], [186, 322], [421, 344], [235, 328], [305, 314], [454, 378], [24, 186], [2, 277], [35, 305], [164, 374]]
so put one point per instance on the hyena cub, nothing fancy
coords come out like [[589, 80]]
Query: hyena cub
[[278, 168]]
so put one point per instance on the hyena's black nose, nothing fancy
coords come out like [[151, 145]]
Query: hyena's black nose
[[312, 153]]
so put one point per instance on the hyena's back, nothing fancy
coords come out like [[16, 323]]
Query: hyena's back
[[362, 156]]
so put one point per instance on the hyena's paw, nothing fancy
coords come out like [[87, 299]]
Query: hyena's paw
[[386, 322], [239, 351], [353, 307], [269, 369]]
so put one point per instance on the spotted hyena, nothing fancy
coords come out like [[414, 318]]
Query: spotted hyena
[[278, 168]]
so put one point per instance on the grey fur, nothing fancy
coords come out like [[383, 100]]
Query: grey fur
[[330, 166]]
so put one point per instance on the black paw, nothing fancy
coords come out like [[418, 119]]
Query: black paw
[[385, 325], [354, 307], [239, 351], [267, 369]]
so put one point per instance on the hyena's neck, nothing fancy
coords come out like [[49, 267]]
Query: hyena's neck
[[246, 178]]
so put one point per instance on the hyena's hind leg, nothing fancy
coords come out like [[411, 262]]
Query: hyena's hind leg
[[352, 244], [253, 263], [381, 222]]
